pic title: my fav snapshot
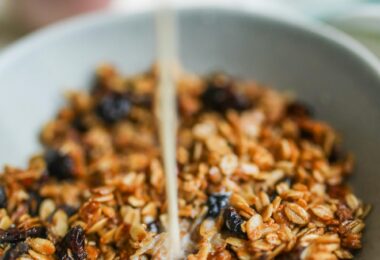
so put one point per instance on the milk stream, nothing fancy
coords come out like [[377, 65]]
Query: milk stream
[[167, 115]]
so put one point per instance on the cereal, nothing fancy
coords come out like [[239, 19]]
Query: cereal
[[258, 177]]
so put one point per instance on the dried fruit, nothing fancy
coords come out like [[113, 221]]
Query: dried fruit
[[216, 203], [233, 222], [113, 107], [16, 251], [154, 227], [219, 96], [14, 235], [59, 165], [69, 210], [299, 110], [34, 203], [79, 125], [74, 241], [3, 197]]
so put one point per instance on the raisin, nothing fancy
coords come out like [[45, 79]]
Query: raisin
[[3, 197], [79, 125], [273, 195], [219, 96], [336, 154], [294, 254], [233, 222], [216, 203], [14, 235], [288, 180], [343, 212], [34, 203], [74, 241], [299, 110], [154, 226], [69, 210], [60, 166], [337, 191], [113, 107], [16, 251], [306, 134]]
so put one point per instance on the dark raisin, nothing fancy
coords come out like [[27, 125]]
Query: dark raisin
[[3, 197], [272, 195], [69, 210], [14, 235], [79, 125], [34, 203], [294, 254], [337, 191], [113, 107], [16, 251], [74, 241], [336, 154], [154, 226], [39, 231], [288, 180], [216, 203], [299, 110], [306, 134], [59, 165], [219, 96], [232, 222]]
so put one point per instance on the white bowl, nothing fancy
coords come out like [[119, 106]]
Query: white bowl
[[339, 77]]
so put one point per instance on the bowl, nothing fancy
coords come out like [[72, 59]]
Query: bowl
[[325, 68]]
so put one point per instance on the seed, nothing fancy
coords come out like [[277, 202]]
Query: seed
[[296, 214], [3, 197], [233, 222], [42, 246], [60, 223], [228, 164], [252, 227], [267, 212], [323, 212], [113, 107], [216, 203], [352, 201], [59, 165]]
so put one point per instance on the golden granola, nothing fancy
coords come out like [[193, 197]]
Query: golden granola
[[258, 176]]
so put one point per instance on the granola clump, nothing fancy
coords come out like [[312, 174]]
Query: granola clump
[[258, 176]]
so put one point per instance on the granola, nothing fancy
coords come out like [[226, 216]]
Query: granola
[[258, 176]]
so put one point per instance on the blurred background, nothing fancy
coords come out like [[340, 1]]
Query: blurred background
[[359, 18]]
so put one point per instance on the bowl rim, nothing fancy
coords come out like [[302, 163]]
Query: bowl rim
[[277, 13]]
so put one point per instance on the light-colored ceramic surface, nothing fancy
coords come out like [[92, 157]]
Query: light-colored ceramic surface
[[325, 68]]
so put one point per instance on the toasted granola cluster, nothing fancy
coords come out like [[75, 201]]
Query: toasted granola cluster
[[258, 178]]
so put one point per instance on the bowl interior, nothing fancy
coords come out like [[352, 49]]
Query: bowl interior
[[343, 88]]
